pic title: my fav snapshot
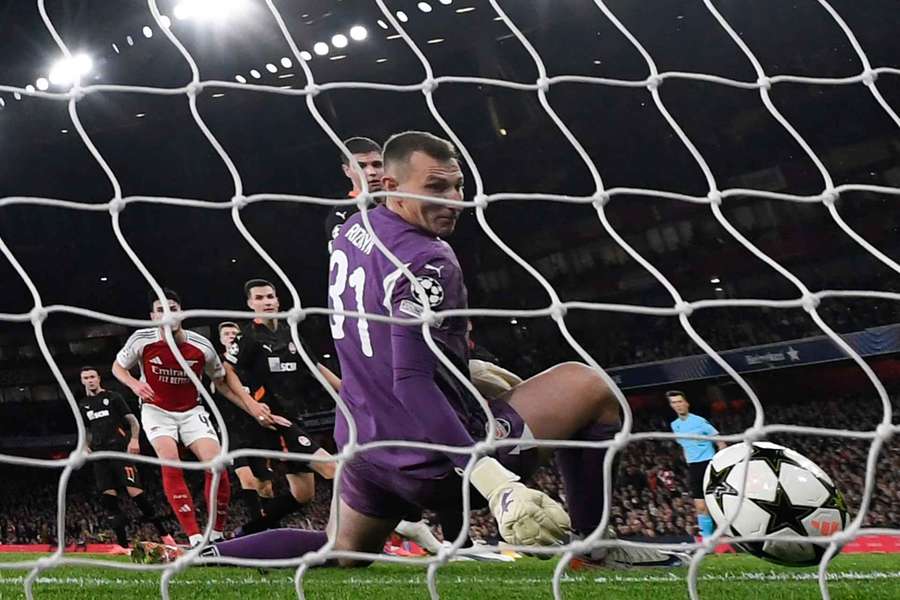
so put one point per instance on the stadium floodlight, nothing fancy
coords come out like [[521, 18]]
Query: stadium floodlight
[[69, 70], [255, 74], [425, 7], [240, 79], [446, 2], [382, 24], [402, 16], [320, 48], [208, 10], [359, 33], [42, 83], [286, 62], [339, 40], [305, 55], [271, 68], [148, 33]]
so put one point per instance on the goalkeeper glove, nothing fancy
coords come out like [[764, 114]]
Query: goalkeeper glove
[[524, 516], [491, 380]]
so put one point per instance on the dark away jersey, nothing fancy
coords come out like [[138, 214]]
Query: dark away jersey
[[390, 377], [104, 416], [268, 363]]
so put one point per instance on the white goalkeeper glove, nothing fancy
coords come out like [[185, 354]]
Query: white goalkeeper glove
[[491, 380], [524, 516]]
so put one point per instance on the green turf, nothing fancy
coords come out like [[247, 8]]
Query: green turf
[[856, 577]]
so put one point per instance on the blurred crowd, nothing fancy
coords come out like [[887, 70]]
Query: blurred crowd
[[650, 492]]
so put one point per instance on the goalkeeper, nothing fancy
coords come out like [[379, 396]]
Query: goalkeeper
[[397, 389]]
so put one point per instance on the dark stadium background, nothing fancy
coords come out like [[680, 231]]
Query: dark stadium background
[[74, 259]]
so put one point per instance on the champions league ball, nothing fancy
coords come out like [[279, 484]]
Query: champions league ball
[[787, 494]]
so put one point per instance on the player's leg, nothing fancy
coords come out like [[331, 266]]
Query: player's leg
[[109, 499], [250, 487], [695, 482], [572, 402], [162, 431], [206, 449], [136, 493], [176, 489]]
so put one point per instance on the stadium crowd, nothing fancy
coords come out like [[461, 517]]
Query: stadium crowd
[[651, 498]]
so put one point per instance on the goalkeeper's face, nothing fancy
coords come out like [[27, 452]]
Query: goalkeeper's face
[[427, 176]]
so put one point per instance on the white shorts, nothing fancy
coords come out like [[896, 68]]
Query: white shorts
[[186, 427]]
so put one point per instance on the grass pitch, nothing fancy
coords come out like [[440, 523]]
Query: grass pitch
[[733, 577]]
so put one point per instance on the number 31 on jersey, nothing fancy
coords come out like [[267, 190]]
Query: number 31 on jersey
[[357, 282]]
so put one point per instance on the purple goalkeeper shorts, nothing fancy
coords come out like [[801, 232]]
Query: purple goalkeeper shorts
[[394, 494]]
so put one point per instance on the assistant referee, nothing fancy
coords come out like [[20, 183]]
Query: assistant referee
[[697, 453]]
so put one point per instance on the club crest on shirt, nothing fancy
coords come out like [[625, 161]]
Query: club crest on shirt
[[503, 429], [433, 290], [292, 348], [304, 441], [106, 402]]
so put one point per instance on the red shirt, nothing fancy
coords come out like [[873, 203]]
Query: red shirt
[[173, 390]]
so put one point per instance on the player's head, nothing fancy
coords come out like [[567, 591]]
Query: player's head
[[228, 332], [156, 307], [90, 379], [416, 162], [678, 401], [261, 296], [367, 154]]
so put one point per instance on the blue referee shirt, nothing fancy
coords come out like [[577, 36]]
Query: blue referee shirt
[[695, 450]]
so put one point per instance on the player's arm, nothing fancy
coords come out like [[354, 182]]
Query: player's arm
[[126, 359], [229, 385], [134, 443], [333, 380], [711, 430], [234, 390]]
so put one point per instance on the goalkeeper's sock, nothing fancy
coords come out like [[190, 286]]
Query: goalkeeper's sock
[[149, 514], [707, 527], [582, 474], [116, 517], [272, 544], [223, 496], [180, 499]]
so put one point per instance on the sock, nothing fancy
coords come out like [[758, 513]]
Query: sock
[[582, 474], [149, 514], [250, 499], [195, 539], [179, 497], [223, 495], [275, 509], [706, 525], [451, 524], [276, 543], [419, 533], [116, 517]]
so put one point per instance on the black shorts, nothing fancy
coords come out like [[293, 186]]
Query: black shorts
[[250, 435], [284, 439], [695, 478], [114, 474]]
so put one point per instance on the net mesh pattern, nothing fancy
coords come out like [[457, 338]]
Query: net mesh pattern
[[680, 309]]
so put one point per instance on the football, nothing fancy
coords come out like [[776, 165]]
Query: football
[[787, 494]]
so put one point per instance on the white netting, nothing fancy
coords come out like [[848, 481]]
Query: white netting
[[806, 299]]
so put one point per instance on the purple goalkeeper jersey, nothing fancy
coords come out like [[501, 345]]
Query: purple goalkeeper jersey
[[393, 384]]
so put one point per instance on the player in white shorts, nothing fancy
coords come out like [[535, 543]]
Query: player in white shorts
[[171, 410]]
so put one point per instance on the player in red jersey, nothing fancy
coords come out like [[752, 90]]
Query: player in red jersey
[[171, 411]]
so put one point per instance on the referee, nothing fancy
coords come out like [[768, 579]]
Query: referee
[[697, 453]]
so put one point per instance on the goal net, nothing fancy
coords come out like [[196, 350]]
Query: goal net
[[68, 87]]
